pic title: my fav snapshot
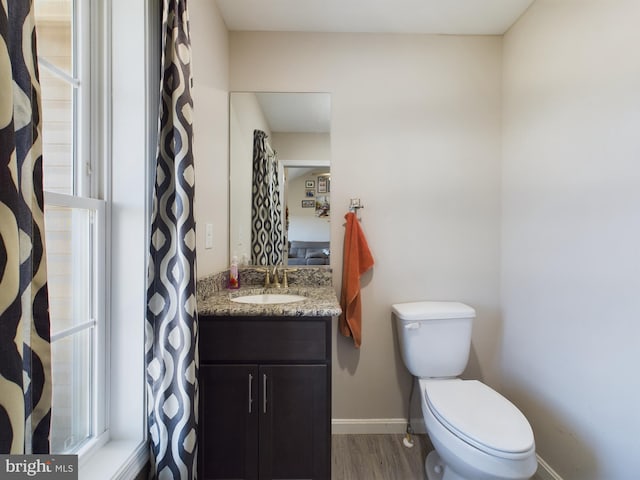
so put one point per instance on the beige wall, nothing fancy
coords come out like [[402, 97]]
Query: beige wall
[[416, 135], [210, 52], [571, 233]]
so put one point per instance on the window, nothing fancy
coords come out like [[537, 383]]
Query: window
[[99, 123], [75, 230]]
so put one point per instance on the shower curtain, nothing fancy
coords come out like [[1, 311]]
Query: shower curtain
[[267, 239], [172, 323], [25, 350]]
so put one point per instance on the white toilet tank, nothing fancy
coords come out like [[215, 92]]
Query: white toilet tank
[[435, 337]]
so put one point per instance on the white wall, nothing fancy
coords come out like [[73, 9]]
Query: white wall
[[210, 69], [416, 135], [571, 233]]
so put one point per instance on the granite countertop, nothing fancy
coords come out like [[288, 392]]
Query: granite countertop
[[320, 302]]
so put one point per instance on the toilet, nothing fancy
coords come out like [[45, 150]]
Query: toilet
[[476, 432]]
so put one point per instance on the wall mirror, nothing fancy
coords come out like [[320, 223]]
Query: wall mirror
[[280, 178]]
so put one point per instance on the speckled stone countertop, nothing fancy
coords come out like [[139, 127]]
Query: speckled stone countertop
[[319, 302], [314, 284]]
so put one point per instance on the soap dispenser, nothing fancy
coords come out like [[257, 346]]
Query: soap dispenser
[[234, 277]]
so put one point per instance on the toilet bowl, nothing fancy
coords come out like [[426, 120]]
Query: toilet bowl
[[476, 432]]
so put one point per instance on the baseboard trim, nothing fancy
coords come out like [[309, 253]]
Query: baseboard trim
[[545, 472], [369, 426]]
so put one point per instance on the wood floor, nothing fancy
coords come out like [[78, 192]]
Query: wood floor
[[378, 457]]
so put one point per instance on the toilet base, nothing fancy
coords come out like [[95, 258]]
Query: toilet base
[[433, 466], [436, 469]]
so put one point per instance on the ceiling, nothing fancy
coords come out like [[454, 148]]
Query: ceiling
[[453, 17], [296, 112]]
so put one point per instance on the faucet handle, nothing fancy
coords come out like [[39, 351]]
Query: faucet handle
[[285, 280], [276, 281], [267, 280]]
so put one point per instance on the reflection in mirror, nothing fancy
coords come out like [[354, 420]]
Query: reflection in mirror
[[280, 179]]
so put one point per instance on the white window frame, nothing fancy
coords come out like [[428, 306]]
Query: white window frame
[[128, 98], [86, 187], [97, 314], [119, 109]]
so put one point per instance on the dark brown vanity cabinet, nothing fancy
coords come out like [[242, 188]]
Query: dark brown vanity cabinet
[[265, 398]]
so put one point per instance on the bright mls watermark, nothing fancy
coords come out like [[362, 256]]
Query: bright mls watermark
[[51, 467]]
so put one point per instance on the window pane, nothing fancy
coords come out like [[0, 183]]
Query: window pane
[[68, 233], [57, 133], [71, 410], [54, 28]]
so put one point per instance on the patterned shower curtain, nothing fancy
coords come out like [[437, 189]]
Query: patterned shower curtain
[[266, 206], [172, 323], [25, 350]]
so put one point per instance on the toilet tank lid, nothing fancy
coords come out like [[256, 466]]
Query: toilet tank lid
[[429, 310]]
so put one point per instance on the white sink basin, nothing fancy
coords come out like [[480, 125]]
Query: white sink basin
[[269, 298]]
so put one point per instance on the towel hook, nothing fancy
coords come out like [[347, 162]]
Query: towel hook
[[355, 205]]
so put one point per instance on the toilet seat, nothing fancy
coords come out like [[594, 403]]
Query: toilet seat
[[479, 416]]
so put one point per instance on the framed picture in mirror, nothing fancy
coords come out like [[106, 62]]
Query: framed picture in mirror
[[322, 206], [323, 185]]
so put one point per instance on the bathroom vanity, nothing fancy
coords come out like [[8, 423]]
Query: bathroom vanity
[[265, 387]]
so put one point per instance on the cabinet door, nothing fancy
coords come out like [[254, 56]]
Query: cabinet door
[[294, 422], [228, 428]]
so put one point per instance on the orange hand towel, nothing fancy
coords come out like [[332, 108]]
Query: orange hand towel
[[357, 260]]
